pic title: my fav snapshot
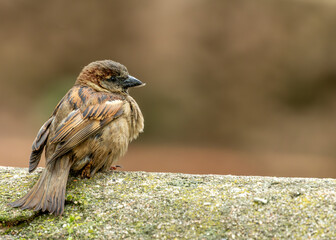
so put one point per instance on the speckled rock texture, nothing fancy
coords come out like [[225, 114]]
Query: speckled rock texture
[[141, 205]]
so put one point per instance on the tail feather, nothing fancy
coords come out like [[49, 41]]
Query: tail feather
[[48, 194]]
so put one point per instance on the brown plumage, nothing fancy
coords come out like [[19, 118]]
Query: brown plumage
[[88, 131]]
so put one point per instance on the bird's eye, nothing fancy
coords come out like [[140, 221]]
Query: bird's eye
[[111, 79], [121, 78]]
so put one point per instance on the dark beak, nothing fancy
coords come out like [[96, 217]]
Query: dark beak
[[132, 82]]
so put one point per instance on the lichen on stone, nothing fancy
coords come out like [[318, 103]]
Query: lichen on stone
[[141, 205]]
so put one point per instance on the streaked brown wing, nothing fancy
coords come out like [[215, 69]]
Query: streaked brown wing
[[81, 123], [38, 145], [68, 126]]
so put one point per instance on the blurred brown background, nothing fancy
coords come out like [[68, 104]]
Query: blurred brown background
[[233, 86]]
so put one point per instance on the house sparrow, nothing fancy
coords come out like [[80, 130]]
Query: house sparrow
[[88, 131]]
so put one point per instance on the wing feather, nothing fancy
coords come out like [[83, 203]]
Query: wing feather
[[67, 126], [82, 123], [38, 145]]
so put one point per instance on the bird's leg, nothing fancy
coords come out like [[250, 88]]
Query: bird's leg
[[113, 168], [86, 172]]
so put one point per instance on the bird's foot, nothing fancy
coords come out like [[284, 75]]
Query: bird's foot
[[86, 172], [113, 168]]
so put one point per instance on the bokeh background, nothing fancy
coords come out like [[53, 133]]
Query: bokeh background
[[233, 86]]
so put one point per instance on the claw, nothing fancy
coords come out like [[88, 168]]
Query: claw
[[86, 173], [113, 168]]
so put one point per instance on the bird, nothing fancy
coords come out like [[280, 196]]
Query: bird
[[88, 131]]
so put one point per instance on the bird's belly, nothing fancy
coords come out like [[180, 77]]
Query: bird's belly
[[103, 148]]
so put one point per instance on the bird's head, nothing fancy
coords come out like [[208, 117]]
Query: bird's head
[[107, 75]]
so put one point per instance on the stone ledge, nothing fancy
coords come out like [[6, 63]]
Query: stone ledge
[[141, 205]]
